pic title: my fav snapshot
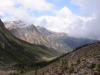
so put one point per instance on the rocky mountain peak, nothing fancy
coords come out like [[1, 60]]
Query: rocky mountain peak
[[15, 24]]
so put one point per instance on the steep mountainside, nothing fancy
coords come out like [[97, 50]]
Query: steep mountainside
[[84, 60], [16, 51]]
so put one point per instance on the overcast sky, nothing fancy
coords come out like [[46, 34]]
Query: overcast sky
[[79, 18]]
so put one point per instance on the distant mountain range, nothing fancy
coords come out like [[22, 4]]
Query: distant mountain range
[[42, 36]]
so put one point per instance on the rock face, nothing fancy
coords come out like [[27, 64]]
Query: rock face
[[83, 61], [41, 36]]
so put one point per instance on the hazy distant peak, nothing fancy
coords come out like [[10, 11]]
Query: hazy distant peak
[[44, 31], [17, 24]]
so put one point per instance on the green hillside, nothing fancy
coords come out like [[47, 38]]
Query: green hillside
[[16, 51]]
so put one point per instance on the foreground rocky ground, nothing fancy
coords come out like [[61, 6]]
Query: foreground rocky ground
[[83, 61]]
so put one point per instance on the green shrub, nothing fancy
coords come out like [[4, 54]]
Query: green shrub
[[71, 69], [64, 64], [2, 45], [97, 67], [78, 61]]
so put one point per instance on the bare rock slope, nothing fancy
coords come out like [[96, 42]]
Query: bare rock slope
[[82, 61]]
